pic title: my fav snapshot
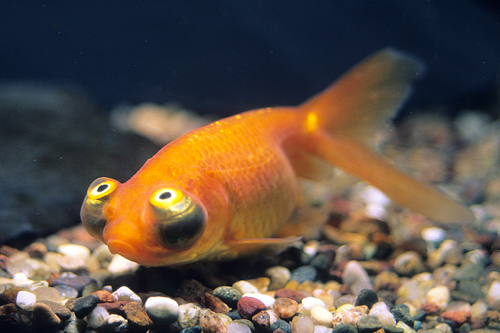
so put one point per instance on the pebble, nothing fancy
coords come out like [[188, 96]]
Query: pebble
[[262, 321], [228, 295], [97, 316], [114, 323], [279, 276], [48, 293], [439, 295], [245, 287], [25, 300], [61, 311], [366, 297], [281, 324], [369, 324], [290, 293], [381, 311], [126, 294], [75, 282], [310, 302], [493, 293], [249, 306], [233, 327], [286, 307], [267, 300], [138, 320], [344, 328], [304, 273], [189, 315], [408, 263], [84, 305], [401, 313], [162, 310], [44, 318], [66, 292], [192, 329], [210, 322], [355, 276], [321, 316], [121, 266], [349, 316], [302, 324]]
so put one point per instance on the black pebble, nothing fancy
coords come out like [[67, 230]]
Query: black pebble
[[366, 297], [304, 273], [83, 306], [281, 324], [344, 328], [192, 329], [401, 312]]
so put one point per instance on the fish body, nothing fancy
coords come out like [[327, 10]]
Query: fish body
[[232, 187]]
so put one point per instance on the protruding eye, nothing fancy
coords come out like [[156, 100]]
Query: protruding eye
[[91, 213], [180, 219]]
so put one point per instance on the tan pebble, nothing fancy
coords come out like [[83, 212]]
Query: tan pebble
[[210, 322], [302, 324], [285, 307], [325, 296], [321, 316], [261, 283], [214, 303], [439, 295], [349, 316], [245, 287], [189, 315], [279, 276]]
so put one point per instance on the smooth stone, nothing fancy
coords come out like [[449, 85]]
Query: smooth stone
[[121, 266], [233, 327], [344, 328], [84, 305], [309, 302], [162, 310], [266, 299], [74, 250], [97, 317], [44, 318], [408, 263], [355, 276], [25, 300], [469, 271], [214, 303], [249, 306], [105, 296], [228, 295], [349, 316], [296, 295], [281, 324], [138, 320], [304, 273], [245, 287], [302, 324], [493, 293], [115, 323], [321, 316], [210, 322], [439, 295], [66, 292], [369, 324], [76, 282], [279, 276], [366, 297], [285, 307], [401, 313], [126, 294], [192, 329], [61, 311], [262, 321], [405, 327], [48, 294], [381, 311], [246, 322]]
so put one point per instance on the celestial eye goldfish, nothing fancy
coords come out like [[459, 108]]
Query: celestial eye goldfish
[[232, 187]]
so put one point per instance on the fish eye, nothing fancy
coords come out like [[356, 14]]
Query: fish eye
[[91, 213], [180, 219]]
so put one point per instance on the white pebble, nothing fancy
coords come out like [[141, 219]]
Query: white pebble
[[443, 327], [406, 328], [116, 323], [322, 329], [381, 311], [493, 294], [189, 315], [125, 294], [266, 299], [245, 287], [97, 317], [120, 265], [163, 309], [310, 302], [321, 316], [25, 300], [74, 250], [355, 276], [21, 280], [439, 295], [233, 327]]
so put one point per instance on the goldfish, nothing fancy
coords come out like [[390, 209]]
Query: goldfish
[[232, 187]]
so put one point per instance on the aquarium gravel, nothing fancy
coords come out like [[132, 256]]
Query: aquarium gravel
[[373, 267]]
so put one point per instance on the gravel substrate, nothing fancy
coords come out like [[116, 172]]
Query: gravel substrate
[[374, 267]]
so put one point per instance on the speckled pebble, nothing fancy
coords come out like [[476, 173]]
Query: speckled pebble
[[304, 273], [262, 321], [286, 307], [457, 317], [138, 320], [349, 316], [368, 324], [97, 316], [162, 310], [25, 300], [84, 305], [355, 276], [290, 293], [61, 311], [228, 295], [401, 313], [248, 306], [210, 322], [344, 328], [321, 316], [189, 315]]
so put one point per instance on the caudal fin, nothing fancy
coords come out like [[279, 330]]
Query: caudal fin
[[343, 118]]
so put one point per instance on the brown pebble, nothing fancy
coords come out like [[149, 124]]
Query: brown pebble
[[104, 296], [10, 295], [431, 309], [296, 295], [285, 307], [36, 250], [60, 310], [248, 306], [191, 289], [44, 317], [210, 322], [115, 307], [137, 318], [262, 321], [4, 262], [458, 317], [7, 309], [214, 303], [8, 251], [70, 304]]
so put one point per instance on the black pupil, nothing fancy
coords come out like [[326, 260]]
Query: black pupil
[[102, 188], [165, 195]]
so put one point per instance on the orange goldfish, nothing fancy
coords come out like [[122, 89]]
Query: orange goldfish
[[232, 187]]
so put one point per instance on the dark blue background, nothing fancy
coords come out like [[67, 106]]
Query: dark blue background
[[228, 56]]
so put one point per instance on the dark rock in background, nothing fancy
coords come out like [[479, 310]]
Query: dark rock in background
[[53, 145]]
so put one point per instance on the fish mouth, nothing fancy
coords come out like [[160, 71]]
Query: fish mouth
[[122, 248]]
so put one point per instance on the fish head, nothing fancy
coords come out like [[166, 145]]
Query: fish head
[[152, 226]]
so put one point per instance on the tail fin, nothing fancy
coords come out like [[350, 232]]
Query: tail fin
[[347, 114]]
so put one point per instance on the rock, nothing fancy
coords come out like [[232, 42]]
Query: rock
[[105, 296], [369, 324], [309, 302], [279, 276], [10, 295], [84, 305], [162, 310], [457, 317], [233, 327], [290, 293], [192, 329], [267, 300], [189, 315], [97, 316], [409, 263], [25, 300], [304, 273], [44, 318], [126, 294], [76, 282], [36, 250], [349, 316], [115, 307], [192, 289], [115, 323], [245, 287], [321, 316], [281, 324], [366, 297], [355, 277], [386, 280], [262, 321], [61, 311], [74, 250], [302, 324], [214, 303], [344, 328], [261, 283], [48, 294], [381, 311], [493, 294], [121, 266], [66, 292], [401, 313], [228, 295], [285, 307], [138, 320], [249, 306], [210, 322], [439, 295], [247, 323]]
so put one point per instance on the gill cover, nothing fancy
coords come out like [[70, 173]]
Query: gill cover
[[180, 220], [97, 196]]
